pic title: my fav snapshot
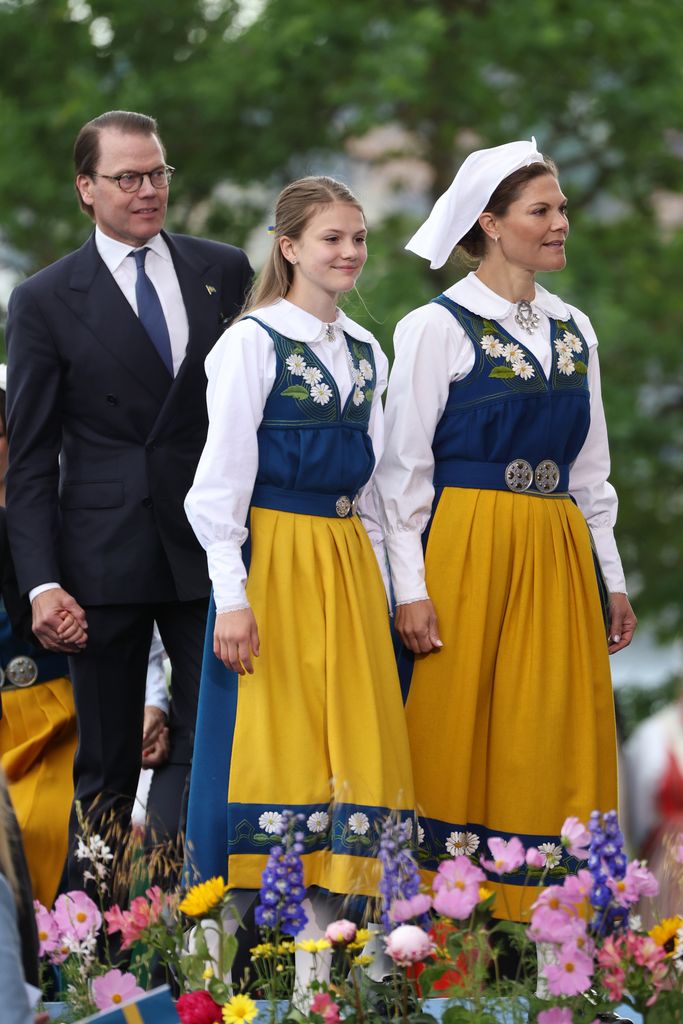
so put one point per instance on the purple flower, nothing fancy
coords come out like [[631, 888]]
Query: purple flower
[[282, 882], [400, 878]]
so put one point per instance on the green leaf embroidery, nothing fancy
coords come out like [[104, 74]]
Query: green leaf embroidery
[[358, 352], [297, 391], [502, 371], [297, 350], [580, 366], [368, 394]]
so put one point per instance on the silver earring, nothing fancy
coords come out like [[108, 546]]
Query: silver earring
[[496, 237], [293, 262]]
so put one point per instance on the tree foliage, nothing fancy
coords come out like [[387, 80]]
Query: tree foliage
[[245, 106]]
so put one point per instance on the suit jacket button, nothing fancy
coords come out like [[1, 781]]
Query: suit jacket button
[[112, 400], [147, 502]]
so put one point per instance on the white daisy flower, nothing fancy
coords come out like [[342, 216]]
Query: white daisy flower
[[572, 342], [408, 827], [357, 377], [296, 365], [565, 364], [552, 854], [365, 369], [312, 375], [359, 823], [321, 393], [512, 352], [561, 347], [420, 835], [358, 397], [492, 346], [318, 821], [270, 821], [461, 843], [524, 370]]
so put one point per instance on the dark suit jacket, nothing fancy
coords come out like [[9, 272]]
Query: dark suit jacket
[[105, 518]]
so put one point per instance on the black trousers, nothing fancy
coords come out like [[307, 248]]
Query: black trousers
[[109, 691]]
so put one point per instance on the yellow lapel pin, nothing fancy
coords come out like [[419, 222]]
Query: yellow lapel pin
[[210, 289]]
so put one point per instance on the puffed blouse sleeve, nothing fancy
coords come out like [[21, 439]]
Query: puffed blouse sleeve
[[241, 373], [428, 348], [588, 474]]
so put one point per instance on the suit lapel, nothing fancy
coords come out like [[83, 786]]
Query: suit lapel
[[200, 286], [97, 300]]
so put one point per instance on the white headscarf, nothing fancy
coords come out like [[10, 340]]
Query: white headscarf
[[458, 208]]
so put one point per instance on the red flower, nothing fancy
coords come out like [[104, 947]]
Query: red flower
[[198, 1008]]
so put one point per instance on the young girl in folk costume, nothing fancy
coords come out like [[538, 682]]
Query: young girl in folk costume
[[300, 704], [497, 459]]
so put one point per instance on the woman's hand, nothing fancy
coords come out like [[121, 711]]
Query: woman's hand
[[622, 623], [417, 627], [235, 640]]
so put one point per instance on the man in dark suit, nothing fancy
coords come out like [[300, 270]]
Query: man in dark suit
[[106, 422]]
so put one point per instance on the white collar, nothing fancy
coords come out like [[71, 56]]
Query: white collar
[[294, 322], [114, 252], [474, 295]]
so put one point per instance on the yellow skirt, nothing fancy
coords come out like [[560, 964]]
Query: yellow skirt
[[511, 724], [37, 747], [319, 727]]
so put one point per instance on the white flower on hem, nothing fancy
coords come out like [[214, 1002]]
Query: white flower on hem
[[318, 821], [321, 393], [461, 843], [512, 352], [365, 369], [492, 346], [408, 828], [358, 397], [359, 823], [270, 821], [572, 342], [312, 375], [565, 364], [551, 853], [296, 365], [524, 370], [420, 834]]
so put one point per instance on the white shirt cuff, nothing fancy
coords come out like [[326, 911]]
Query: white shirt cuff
[[41, 589], [406, 559]]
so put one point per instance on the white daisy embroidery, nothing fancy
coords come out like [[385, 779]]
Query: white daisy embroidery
[[357, 377], [551, 853], [420, 835], [270, 821], [318, 821], [562, 346], [524, 370], [321, 393], [461, 843], [512, 352], [358, 396], [565, 364], [572, 342], [359, 823], [492, 346], [365, 369], [408, 828], [296, 365], [312, 375]]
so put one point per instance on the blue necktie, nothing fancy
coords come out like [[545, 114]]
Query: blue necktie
[[150, 313]]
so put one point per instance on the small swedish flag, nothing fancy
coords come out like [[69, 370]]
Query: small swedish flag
[[155, 1007]]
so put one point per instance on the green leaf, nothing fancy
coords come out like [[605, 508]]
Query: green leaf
[[580, 366], [298, 350], [369, 392], [297, 391], [502, 372]]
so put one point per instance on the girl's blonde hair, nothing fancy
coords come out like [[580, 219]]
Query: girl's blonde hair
[[295, 206], [6, 859]]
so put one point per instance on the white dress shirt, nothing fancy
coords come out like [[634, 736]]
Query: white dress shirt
[[241, 370], [432, 350]]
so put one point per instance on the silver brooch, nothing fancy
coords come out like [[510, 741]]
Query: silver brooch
[[527, 317]]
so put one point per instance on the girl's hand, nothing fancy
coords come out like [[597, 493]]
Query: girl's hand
[[622, 623], [235, 640], [417, 627]]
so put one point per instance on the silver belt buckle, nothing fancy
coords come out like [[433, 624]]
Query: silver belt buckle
[[343, 506], [519, 475], [21, 671], [547, 476]]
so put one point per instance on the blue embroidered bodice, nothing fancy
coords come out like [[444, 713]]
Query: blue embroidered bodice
[[506, 408], [308, 440]]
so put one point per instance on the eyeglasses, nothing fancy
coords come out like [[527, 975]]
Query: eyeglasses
[[131, 181]]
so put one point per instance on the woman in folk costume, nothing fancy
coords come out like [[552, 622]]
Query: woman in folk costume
[[300, 704], [497, 462]]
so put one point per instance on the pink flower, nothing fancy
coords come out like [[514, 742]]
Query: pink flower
[[323, 1004], [577, 887], [534, 858], [48, 932], [76, 915], [576, 837], [408, 944], [404, 910], [113, 988], [140, 916], [507, 856], [550, 924], [456, 887], [341, 932], [558, 1015], [198, 1008], [571, 975]]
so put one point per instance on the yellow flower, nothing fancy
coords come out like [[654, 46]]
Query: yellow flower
[[204, 897], [286, 947], [313, 945], [240, 1008], [664, 933], [362, 960], [484, 893], [264, 949], [207, 972], [363, 935]]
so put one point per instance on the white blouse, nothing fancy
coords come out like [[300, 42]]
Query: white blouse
[[432, 351], [241, 370]]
